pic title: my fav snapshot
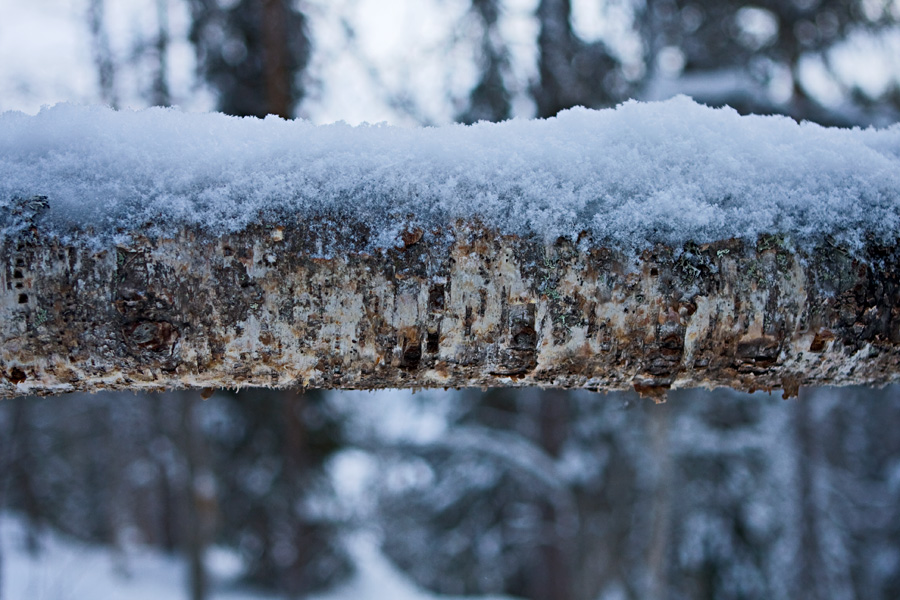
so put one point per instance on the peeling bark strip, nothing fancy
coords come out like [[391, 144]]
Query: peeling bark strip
[[282, 306]]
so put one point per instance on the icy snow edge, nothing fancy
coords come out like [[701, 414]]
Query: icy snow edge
[[631, 176]]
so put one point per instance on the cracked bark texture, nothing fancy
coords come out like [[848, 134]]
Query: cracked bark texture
[[303, 303]]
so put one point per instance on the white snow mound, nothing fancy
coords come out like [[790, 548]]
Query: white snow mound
[[638, 174]]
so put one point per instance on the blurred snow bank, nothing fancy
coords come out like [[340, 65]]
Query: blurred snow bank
[[48, 566]]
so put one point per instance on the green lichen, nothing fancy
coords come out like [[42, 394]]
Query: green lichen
[[562, 319], [768, 242], [690, 270], [41, 316], [754, 269], [548, 283], [783, 261]]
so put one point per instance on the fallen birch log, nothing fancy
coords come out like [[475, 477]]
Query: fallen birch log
[[330, 297], [259, 308]]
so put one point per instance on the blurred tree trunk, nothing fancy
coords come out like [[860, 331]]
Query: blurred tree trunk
[[253, 53], [296, 473], [166, 501], [572, 72], [554, 581], [21, 468], [659, 546], [160, 95], [102, 53], [809, 547], [822, 570], [277, 70], [489, 100], [201, 498]]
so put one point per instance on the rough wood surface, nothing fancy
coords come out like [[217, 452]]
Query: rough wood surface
[[301, 304]]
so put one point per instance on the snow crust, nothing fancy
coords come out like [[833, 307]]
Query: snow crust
[[641, 173]]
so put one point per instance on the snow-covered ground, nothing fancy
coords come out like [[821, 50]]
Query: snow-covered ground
[[66, 569], [59, 568]]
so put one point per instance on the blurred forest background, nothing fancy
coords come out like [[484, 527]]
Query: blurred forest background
[[545, 495]]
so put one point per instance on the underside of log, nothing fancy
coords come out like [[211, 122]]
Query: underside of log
[[304, 304]]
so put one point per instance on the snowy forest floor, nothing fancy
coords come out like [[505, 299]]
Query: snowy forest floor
[[54, 567]]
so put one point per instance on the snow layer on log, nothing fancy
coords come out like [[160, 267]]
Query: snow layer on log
[[630, 177]]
